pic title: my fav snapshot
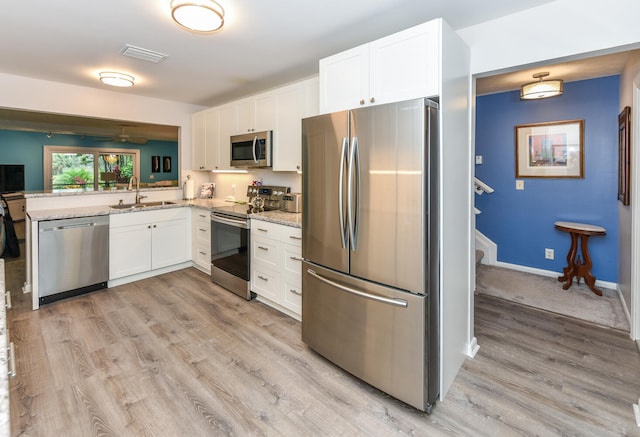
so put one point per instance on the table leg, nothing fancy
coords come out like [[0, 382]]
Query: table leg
[[570, 270], [584, 269]]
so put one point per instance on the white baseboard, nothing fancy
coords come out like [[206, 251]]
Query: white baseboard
[[487, 246], [551, 274], [473, 347]]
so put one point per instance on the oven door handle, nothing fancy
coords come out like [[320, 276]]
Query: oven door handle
[[231, 222]]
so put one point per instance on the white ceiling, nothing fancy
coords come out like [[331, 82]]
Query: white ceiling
[[263, 44]]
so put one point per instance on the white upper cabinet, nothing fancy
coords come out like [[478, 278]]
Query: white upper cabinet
[[293, 103], [209, 128], [256, 114], [398, 67], [226, 128]]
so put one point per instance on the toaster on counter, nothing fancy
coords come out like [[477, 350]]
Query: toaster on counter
[[291, 202]]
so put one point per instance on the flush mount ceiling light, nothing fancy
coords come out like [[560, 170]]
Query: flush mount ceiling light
[[542, 88], [203, 16], [114, 78]]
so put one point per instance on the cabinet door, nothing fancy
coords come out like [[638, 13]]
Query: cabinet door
[[344, 80], [405, 65], [170, 242], [265, 112], [287, 138], [129, 250], [198, 142], [226, 127], [246, 111], [211, 139]]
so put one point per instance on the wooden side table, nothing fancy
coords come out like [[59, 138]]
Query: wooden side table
[[577, 267]]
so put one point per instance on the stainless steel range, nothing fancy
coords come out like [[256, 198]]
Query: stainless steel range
[[230, 238]]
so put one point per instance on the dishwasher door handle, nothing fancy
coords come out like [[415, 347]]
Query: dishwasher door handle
[[61, 228]]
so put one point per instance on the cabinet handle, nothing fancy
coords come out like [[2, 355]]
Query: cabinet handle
[[12, 360], [362, 101], [149, 227], [262, 230], [263, 248], [203, 253], [295, 258], [154, 226], [7, 299], [295, 237], [294, 291], [263, 278], [203, 229], [372, 99], [202, 215]]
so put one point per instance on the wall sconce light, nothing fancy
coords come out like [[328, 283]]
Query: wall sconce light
[[114, 78], [202, 16], [542, 88]]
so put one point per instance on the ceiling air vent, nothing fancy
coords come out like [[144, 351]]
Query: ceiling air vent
[[143, 54]]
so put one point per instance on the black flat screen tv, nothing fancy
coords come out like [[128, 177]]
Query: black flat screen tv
[[11, 178]]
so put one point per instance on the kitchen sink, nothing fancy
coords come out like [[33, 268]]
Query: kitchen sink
[[141, 205]]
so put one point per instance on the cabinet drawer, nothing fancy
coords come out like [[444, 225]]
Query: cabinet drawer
[[265, 282], [264, 250], [283, 233], [202, 255], [293, 293], [203, 233], [292, 259], [201, 216]]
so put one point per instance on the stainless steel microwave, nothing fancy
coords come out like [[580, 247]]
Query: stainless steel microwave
[[252, 149]]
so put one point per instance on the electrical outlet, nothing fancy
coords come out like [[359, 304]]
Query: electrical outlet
[[151, 176], [479, 159], [519, 185], [548, 253], [233, 188]]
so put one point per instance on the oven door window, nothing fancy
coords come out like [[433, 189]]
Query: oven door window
[[230, 249]]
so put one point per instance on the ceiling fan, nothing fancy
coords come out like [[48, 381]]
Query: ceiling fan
[[122, 137]]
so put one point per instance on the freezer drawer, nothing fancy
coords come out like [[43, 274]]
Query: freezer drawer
[[379, 334]]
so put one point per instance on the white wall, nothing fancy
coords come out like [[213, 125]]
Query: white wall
[[44, 96], [553, 31]]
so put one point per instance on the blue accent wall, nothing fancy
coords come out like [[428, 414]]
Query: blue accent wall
[[18, 147], [521, 222]]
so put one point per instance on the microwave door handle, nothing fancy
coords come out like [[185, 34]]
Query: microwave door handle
[[255, 157], [344, 156]]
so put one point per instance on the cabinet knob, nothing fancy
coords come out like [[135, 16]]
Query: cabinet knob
[[362, 101], [372, 99]]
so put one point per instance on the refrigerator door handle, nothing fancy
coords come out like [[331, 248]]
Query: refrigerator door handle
[[395, 302], [344, 156], [354, 206]]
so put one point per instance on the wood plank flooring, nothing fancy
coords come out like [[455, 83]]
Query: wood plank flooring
[[176, 355]]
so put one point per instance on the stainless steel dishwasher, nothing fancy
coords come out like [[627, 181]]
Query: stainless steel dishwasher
[[73, 257]]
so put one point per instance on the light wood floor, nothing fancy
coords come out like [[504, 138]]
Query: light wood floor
[[176, 355]]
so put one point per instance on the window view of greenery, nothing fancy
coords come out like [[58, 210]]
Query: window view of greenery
[[90, 171]]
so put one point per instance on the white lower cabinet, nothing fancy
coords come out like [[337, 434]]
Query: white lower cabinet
[[141, 242], [276, 266], [201, 240]]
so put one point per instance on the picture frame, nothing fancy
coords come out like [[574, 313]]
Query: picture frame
[[550, 150], [166, 164], [624, 155], [155, 164]]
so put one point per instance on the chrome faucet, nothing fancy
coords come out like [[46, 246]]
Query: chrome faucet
[[138, 196]]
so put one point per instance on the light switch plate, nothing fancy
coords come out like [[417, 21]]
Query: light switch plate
[[479, 159], [519, 185]]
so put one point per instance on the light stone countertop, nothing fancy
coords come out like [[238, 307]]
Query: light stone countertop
[[279, 217], [5, 428]]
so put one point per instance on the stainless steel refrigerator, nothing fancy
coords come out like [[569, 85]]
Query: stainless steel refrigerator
[[370, 245]]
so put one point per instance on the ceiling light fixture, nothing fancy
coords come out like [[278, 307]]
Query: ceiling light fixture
[[203, 16], [542, 88], [114, 78]]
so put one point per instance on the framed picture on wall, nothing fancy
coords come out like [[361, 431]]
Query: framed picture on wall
[[550, 150], [166, 164], [155, 164], [624, 155]]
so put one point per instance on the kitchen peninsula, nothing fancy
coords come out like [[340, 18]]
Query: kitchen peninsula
[[163, 217]]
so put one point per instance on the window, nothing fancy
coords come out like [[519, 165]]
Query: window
[[88, 169]]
